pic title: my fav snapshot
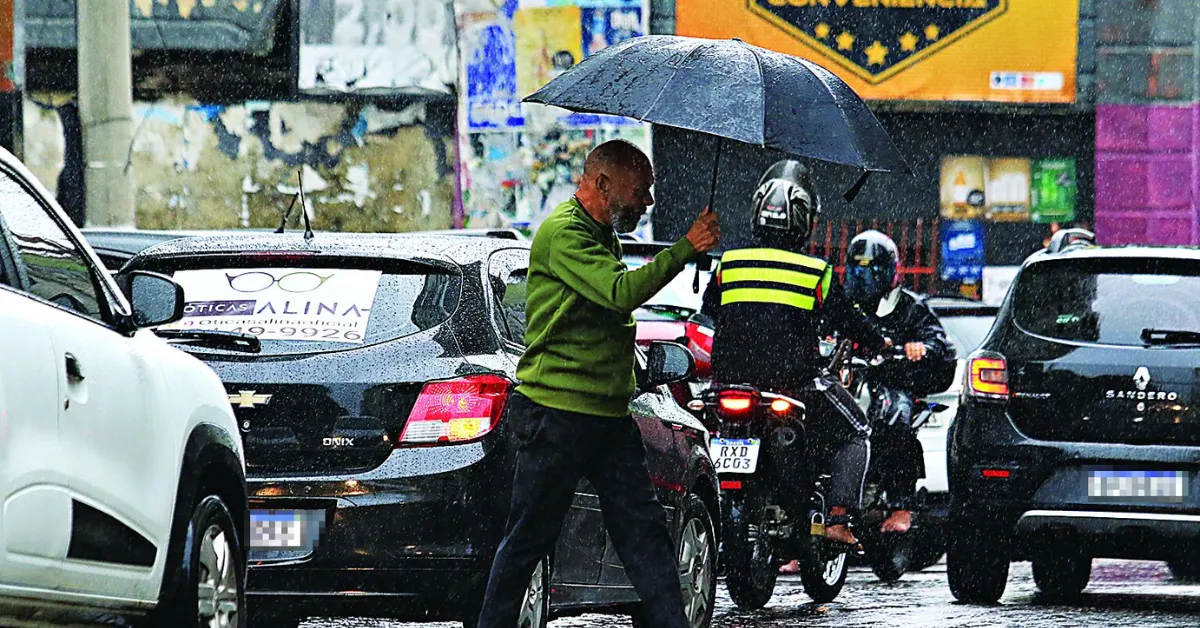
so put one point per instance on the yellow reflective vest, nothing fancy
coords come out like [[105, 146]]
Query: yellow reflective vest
[[774, 276]]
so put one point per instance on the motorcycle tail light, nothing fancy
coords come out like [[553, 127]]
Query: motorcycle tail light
[[987, 376], [456, 411], [736, 403], [781, 406]]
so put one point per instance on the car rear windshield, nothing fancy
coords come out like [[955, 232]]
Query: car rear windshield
[[967, 332], [319, 304], [1108, 301]]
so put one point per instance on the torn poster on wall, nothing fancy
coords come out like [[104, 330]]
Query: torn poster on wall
[[377, 46]]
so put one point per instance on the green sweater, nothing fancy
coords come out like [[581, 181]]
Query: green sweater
[[579, 327]]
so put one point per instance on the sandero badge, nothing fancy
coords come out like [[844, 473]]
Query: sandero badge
[[876, 39]]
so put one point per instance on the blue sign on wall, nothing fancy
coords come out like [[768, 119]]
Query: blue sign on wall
[[962, 251]]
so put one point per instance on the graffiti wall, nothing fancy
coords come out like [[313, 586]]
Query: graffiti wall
[[393, 46], [365, 168], [520, 160]]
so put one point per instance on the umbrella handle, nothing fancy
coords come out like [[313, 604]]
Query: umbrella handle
[[712, 194]]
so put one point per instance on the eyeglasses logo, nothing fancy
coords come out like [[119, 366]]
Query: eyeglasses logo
[[294, 282]]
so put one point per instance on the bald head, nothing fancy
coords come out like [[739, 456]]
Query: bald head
[[616, 182], [615, 154]]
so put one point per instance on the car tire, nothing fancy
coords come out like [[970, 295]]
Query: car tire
[[697, 557], [976, 565], [213, 573], [1061, 576], [1185, 569]]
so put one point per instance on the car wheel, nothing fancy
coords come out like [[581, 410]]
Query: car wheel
[[697, 566], [1185, 569], [889, 554], [535, 606], [213, 592], [1061, 576], [976, 565]]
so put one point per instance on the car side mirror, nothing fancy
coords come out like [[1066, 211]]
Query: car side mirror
[[156, 299], [667, 363]]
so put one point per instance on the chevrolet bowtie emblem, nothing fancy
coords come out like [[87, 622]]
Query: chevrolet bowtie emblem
[[247, 399]]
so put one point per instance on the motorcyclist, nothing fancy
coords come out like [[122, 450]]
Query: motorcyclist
[[768, 302], [873, 283]]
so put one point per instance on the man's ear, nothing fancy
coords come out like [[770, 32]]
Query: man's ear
[[602, 183]]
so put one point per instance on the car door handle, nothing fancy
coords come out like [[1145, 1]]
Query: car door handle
[[74, 370]]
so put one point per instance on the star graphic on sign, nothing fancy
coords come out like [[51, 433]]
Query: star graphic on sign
[[845, 41], [932, 32], [908, 42], [876, 54], [822, 30]]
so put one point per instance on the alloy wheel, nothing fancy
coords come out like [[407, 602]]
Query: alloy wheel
[[218, 591]]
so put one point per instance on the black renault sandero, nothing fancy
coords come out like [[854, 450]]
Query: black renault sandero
[[1078, 431], [373, 417]]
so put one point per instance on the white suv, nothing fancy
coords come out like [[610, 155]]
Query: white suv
[[122, 476]]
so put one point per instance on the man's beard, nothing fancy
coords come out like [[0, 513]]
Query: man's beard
[[626, 220]]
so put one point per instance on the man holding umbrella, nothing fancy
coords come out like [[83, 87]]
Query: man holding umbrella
[[570, 415]]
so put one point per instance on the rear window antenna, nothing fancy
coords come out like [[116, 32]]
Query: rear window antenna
[[308, 233]]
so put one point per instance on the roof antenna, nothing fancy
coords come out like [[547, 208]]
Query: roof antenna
[[283, 221], [308, 233]]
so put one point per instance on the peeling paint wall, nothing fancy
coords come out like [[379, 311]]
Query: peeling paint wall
[[226, 166]]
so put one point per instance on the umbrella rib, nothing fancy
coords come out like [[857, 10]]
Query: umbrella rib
[[836, 102], [668, 81], [761, 81]]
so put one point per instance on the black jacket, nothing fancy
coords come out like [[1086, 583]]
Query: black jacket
[[775, 346], [913, 321]]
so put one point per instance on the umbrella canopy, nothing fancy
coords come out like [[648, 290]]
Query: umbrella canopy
[[732, 90]]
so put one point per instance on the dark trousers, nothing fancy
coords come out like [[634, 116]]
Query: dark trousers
[[555, 449], [899, 459]]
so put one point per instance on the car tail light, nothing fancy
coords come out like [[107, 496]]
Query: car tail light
[[731, 485], [457, 410], [987, 376], [997, 474], [736, 403]]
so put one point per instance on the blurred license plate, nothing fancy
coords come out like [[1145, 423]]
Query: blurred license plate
[[285, 529], [1148, 486], [734, 455]]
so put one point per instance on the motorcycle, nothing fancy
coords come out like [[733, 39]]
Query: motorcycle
[[889, 555], [759, 448]]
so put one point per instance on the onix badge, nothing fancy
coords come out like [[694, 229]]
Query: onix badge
[[247, 399], [1141, 378]]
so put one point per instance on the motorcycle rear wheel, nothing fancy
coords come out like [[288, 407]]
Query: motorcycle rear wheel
[[750, 565]]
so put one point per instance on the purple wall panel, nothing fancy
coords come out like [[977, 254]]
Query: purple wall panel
[[1148, 174]]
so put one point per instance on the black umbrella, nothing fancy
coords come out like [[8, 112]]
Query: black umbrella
[[732, 90]]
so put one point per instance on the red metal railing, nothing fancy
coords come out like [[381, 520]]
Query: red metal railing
[[916, 240]]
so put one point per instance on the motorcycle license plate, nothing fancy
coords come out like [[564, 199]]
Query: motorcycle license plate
[[734, 455]]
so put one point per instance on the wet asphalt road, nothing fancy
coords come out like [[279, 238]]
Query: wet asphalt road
[[1121, 593]]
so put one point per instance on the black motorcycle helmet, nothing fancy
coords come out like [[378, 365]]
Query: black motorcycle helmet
[[786, 204], [871, 267]]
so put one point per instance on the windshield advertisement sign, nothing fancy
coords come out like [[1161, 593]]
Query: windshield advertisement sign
[[306, 304]]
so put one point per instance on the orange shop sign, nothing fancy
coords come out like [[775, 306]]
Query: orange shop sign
[[986, 50]]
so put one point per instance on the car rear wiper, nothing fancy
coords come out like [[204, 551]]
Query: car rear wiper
[[212, 339], [1170, 337]]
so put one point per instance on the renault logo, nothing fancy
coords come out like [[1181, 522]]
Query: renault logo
[[247, 399], [1141, 378]]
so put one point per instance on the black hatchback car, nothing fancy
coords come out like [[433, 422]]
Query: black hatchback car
[[374, 425], [1078, 432]]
